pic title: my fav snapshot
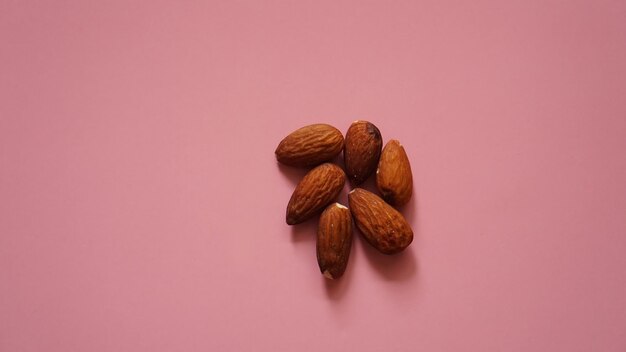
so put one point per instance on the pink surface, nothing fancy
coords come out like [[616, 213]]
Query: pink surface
[[142, 209]]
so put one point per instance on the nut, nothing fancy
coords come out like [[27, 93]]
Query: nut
[[393, 177], [362, 150], [317, 189], [382, 225], [310, 145], [334, 240]]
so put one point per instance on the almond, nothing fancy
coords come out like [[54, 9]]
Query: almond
[[393, 177], [310, 145], [334, 240], [317, 189], [362, 150], [382, 225]]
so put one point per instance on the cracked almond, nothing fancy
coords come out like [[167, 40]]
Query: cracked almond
[[334, 240]]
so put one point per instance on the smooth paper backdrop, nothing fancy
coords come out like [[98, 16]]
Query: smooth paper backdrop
[[142, 209]]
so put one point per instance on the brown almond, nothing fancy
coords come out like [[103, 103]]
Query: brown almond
[[317, 189], [381, 225], [393, 177], [310, 145], [362, 150], [334, 240]]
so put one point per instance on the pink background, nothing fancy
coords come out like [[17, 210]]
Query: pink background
[[142, 209]]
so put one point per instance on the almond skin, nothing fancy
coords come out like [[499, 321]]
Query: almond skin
[[362, 150], [310, 145], [317, 189], [334, 240], [393, 177], [382, 225]]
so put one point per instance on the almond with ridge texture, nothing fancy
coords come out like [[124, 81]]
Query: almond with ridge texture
[[393, 177], [334, 240], [317, 189], [382, 225], [310, 145], [362, 150]]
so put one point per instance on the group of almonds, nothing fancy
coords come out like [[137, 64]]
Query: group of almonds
[[381, 224]]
